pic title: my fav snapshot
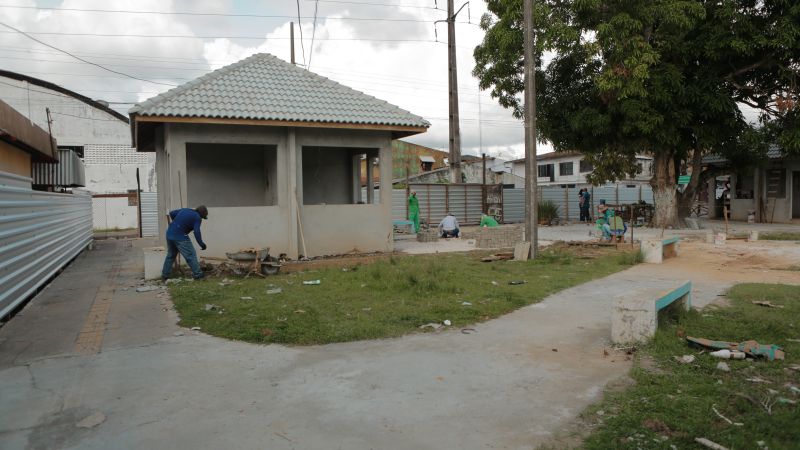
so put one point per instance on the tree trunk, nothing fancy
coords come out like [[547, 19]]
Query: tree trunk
[[687, 197], [664, 191]]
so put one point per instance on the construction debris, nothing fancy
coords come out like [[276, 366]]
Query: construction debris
[[498, 257], [274, 291], [433, 326], [751, 348], [311, 282], [685, 359], [147, 288], [709, 444], [766, 304]]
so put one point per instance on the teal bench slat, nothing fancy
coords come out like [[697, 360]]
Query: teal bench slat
[[671, 240], [675, 294], [402, 222]]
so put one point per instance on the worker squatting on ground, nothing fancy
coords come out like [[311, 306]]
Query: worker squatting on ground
[[413, 210], [488, 221], [184, 221], [448, 227]]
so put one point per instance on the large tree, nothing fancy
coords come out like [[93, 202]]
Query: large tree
[[666, 78]]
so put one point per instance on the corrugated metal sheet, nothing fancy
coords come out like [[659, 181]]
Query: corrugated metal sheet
[[567, 199], [149, 208], [67, 172], [40, 232], [399, 204], [513, 205], [435, 200]]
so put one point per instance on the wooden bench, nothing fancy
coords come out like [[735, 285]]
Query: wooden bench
[[656, 250], [635, 315]]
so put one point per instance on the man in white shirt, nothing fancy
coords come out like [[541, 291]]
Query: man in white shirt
[[448, 227]]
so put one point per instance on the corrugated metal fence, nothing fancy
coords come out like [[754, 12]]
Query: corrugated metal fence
[[433, 199], [149, 214], [463, 200], [566, 198], [68, 171], [40, 232]]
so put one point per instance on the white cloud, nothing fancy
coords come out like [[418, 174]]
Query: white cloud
[[412, 75]]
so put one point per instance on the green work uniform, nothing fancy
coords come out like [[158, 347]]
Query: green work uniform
[[488, 221], [413, 211]]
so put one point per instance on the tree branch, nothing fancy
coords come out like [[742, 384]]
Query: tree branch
[[753, 66]]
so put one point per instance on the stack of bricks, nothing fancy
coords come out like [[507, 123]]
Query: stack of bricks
[[504, 236], [431, 235]]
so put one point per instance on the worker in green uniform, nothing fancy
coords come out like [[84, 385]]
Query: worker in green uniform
[[413, 210], [488, 221]]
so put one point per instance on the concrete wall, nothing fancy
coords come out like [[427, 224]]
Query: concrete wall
[[326, 229], [113, 212], [327, 176], [119, 178], [14, 160], [777, 210], [330, 230], [225, 175]]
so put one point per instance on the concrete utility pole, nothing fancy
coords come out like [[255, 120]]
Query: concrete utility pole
[[531, 171], [291, 39], [452, 81]]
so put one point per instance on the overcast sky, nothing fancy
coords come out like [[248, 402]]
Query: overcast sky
[[386, 48]]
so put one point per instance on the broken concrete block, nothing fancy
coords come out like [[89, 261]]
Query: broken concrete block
[[522, 251]]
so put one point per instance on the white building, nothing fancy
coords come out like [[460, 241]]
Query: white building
[[98, 134], [565, 168]]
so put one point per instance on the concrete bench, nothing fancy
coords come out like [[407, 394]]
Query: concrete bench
[[403, 223], [656, 250], [635, 314]]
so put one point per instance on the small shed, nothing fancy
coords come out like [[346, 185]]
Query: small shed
[[275, 152]]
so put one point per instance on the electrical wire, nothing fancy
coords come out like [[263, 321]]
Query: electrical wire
[[394, 5], [190, 13], [81, 59], [300, 26], [313, 35]]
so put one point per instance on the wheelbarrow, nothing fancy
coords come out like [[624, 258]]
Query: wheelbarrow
[[261, 260]]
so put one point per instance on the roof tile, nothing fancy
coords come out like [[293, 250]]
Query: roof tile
[[263, 87]]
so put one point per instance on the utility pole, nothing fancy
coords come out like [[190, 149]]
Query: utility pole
[[291, 40], [452, 81], [531, 171]]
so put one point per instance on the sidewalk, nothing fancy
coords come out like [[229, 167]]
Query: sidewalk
[[512, 383]]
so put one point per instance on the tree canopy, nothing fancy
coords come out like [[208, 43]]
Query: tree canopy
[[668, 78]]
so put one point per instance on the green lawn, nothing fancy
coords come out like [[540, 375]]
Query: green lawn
[[780, 236], [383, 299], [672, 403]]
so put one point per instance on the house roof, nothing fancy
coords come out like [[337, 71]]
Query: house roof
[[774, 152], [263, 87], [57, 88], [17, 130]]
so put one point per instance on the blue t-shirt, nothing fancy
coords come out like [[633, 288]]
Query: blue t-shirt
[[184, 221]]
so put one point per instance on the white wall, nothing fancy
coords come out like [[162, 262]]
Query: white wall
[[119, 178], [91, 126], [113, 212]]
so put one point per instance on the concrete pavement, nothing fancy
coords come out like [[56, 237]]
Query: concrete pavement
[[513, 383]]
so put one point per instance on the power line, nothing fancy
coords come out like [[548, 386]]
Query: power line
[[191, 13], [300, 25], [313, 35], [81, 59], [186, 36], [395, 5]]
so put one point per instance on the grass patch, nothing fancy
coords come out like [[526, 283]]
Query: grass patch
[[383, 299], [780, 236], [671, 403]]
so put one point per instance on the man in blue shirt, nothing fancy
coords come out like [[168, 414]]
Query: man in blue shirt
[[184, 221]]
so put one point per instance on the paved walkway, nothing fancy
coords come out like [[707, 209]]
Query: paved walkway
[[511, 384]]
